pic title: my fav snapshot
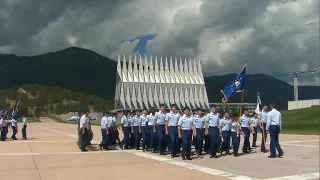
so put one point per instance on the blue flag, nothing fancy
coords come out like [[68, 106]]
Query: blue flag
[[15, 115], [237, 85]]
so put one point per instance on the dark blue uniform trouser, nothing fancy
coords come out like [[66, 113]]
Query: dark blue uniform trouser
[[4, 132], [199, 140], [226, 141], [246, 143], [105, 139], [151, 138], [24, 131], [186, 143], [131, 139], [173, 135], [136, 136], [125, 140], [144, 133], [206, 142], [254, 140], [235, 142], [214, 140], [84, 138], [274, 140], [264, 137], [14, 132], [160, 136]]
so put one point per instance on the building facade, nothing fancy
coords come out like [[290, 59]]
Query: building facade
[[147, 82]]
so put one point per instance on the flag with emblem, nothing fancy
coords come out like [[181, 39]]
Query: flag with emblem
[[237, 85], [258, 108]]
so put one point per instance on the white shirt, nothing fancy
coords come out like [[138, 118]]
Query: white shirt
[[264, 116], [24, 121], [84, 120], [274, 118], [104, 122], [13, 123]]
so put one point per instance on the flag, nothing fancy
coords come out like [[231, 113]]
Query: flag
[[2, 111], [258, 108], [15, 115], [237, 85]]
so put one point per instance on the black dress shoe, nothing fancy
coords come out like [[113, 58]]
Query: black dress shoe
[[183, 158], [271, 157], [84, 150], [281, 154], [189, 158]]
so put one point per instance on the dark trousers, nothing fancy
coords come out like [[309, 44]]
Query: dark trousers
[[125, 140], [274, 142], [14, 132], [264, 137], [151, 138], [246, 143], [105, 139], [136, 136], [173, 135], [199, 140], [206, 143], [160, 136], [235, 142], [115, 135], [226, 141], [131, 138], [214, 140], [4, 132], [144, 136], [84, 138], [24, 131], [254, 139], [186, 143]]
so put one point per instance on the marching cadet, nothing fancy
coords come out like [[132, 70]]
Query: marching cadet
[[159, 128], [225, 125], [235, 134], [199, 123], [144, 129], [171, 128], [152, 135], [274, 126], [14, 126], [115, 133], [105, 132], [84, 126], [245, 128], [125, 124], [24, 128], [186, 129], [131, 139], [263, 124], [206, 135], [254, 121], [4, 127], [214, 130], [136, 121]]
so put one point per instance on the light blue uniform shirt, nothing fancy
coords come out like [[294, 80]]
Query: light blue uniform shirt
[[264, 116], [125, 121], [114, 122], [213, 119], [13, 122], [186, 122], [173, 119], [144, 120], [254, 122], [109, 121], [24, 121], [199, 122], [136, 121], [84, 120], [160, 117], [245, 121], [5, 123], [225, 124], [274, 118], [104, 123], [151, 118], [234, 126]]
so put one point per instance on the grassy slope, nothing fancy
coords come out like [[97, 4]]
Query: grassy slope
[[301, 121]]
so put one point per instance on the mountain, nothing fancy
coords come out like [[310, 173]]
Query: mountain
[[82, 70]]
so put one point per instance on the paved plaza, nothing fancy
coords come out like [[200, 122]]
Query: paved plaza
[[51, 153]]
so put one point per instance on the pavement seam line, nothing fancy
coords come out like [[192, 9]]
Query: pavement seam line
[[35, 163]]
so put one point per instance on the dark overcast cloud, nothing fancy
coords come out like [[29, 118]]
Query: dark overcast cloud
[[274, 36]]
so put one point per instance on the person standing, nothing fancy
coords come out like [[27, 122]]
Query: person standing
[[144, 129], [254, 121], [125, 124], [186, 129], [84, 127], [4, 127], [151, 133], [105, 132], [171, 127], [274, 126], [136, 129], [159, 128], [225, 125], [263, 124], [245, 128], [24, 128], [206, 135], [14, 126], [199, 123], [235, 134], [214, 130]]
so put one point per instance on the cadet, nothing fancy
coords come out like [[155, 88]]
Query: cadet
[[263, 124], [225, 125], [125, 124], [171, 127], [254, 121], [14, 126], [214, 130], [4, 127], [185, 129], [136, 121], [235, 134], [245, 128], [24, 128], [199, 123], [206, 135], [131, 139], [105, 132], [151, 133], [84, 126], [274, 125], [115, 132], [144, 129], [159, 128]]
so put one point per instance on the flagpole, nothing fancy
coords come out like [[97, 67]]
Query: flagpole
[[241, 102]]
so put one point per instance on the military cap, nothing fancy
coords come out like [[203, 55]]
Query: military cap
[[186, 107], [161, 104], [138, 110], [245, 109], [235, 115], [105, 112], [198, 109], [125, 110], [152, 109], [212, 106], [173, 105]]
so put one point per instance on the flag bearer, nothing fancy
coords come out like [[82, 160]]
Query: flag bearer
[[84, 126], [24, 128], [14, 126], [125, 124], [214, 130], [263, 124], [186, 129], [199, 123], [144, 129], [171, 128], [104, 132], [235, 134], [135, 126], [254, 121], [159, 128], [225, 125], [245, 128], [151, 133]]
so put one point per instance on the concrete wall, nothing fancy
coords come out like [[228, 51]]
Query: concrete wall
[[303, 104]]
